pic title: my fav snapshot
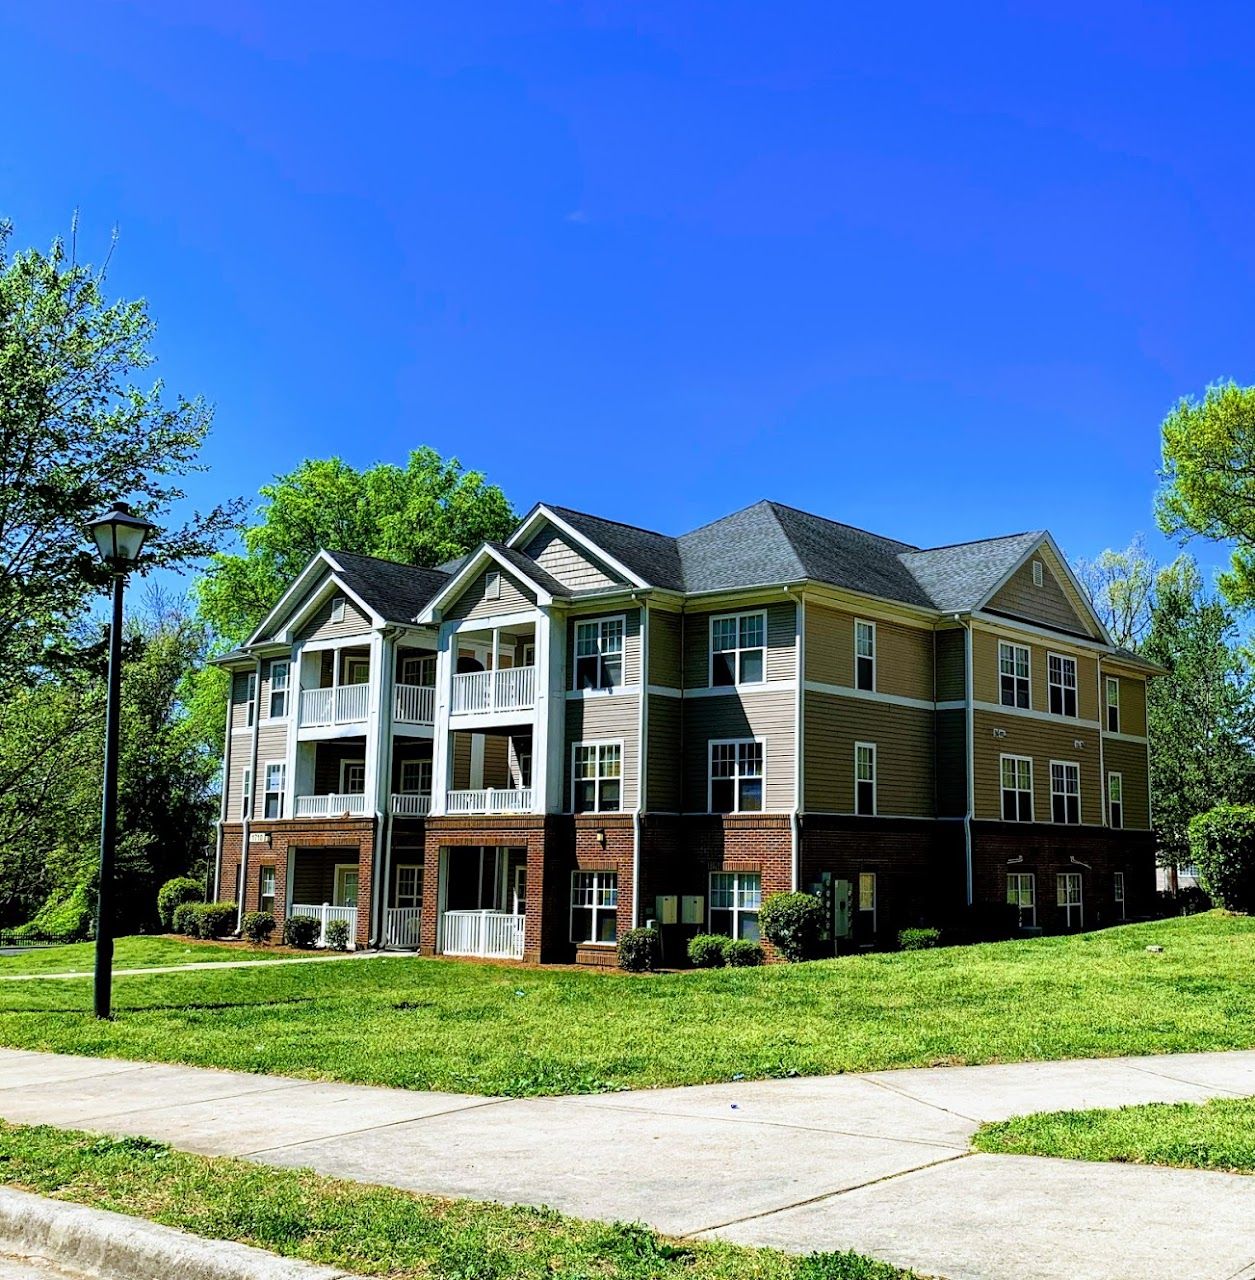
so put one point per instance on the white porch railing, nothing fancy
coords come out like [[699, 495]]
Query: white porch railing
[[401, 927], [325, 913], [410, 804], [491, 934], [490, 800], [345, 704], [330, 806], [511, 689], [415, 704]]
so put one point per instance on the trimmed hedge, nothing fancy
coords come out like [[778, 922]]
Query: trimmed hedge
[[742, 953], [173, 894], [257, 926], [640, 950], [216, 919], [706, 950], [1222, 845], [918, 939], [186, 919], [300, 931], [338, 935], [792, 923]]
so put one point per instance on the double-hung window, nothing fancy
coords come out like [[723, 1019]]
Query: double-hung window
[[1017, 788], [419, 669], [279, 689], [1013, 675], [1022, 895], [867, 904], [266, 888], [1118, 893], [1115, 799], [735, 897], [415, 777], [599, 654], [596, 777], [864, 655], [246, 794], [409, 885], [1113, 704], [738, 649], [1065, 791], [1068, 899], [276, 775], [1062, 671], [865, 778], [352, 777], [594, 906], [250, 698], [736, 776]]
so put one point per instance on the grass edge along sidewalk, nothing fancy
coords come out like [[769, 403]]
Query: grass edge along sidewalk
[[378, 1230], [138, 951]]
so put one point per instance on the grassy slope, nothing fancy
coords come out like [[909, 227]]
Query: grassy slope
[[429, 1024], [377, 1230], [1210, 1135], [130, 953]]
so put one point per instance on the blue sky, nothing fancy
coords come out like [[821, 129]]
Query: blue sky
[[934, 270]]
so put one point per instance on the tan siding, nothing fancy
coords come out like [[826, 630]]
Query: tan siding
[[1044, 741], [1132, 704], [951, 740], [768, 715], [239, 700], [599, 720], [461, 762], [571, 566], [665, 667], [1047, 604], [320, 627], [951, 650], [235, 783], [1129, 759], [904, 754], [496, 760], [272, 748], [985, 672], [515, 598], [781, 636], [904, 655], [631, 643], [663, 781]]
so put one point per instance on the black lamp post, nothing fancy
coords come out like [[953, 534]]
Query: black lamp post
[[119, 538]]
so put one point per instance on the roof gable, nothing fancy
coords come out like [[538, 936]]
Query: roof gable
[[539, 586], [641, 557], [959, 578], [1059, 602]]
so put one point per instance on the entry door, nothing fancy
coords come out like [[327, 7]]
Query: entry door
[[346, 886]]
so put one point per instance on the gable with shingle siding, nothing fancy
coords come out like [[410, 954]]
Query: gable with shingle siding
[[1049, 604], [571, 565]]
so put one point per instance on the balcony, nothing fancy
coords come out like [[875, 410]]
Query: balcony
[[495, 935], [414, 704], [490, 800], [342, 704], [411, 804], [479, 692], [339, 805]]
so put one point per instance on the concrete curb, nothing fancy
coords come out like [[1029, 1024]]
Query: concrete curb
[[118, 1247]]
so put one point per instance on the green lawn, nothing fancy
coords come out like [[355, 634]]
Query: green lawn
[[479, 1028], [376, 1230], [131, 953], [1209, 1135]]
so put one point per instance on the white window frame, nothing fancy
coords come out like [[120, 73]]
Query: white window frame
[[861, 657], [1051, 686], [280, 690], [1039, 574], [596, 881], [1117, 891], [1016, 650], [1113, 704], [1017, 882], [875, 779], [1066, 764], [865, 879], [338, 605], [600, 624], [747, 900], [424, 767], [268, 790], [1116, 776], [416, 894], [1064, 880], [341, 873], [739, 651], [345, 765], [736, 777], [351, 662], [266, 872], [250, 699], [1003, 761], [598, 745], [246, 795], [420, 664], [527, 658]]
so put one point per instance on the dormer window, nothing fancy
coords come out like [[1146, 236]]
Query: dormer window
[[492, 585], [337, 608], [1039, 575]]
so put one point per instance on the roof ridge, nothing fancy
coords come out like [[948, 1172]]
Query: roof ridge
[[622, 524], [976, 542], [760, 502], [784, 533], [398, 564], [841, 524]]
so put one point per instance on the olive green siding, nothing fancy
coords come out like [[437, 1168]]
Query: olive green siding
[[1048, 604], [471, 603], [663, 791], [665, 648], [781, 662], [951, 658], [603, 719], [951, 742], [904, 655], [985, 672], [1132, 704], [1043, 741], [320, 626], [631, 643], [573, 567], [1129, 760], [767, 714]]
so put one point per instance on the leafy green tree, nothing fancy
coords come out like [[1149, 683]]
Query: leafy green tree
[[1209, 478], [1121, 587]]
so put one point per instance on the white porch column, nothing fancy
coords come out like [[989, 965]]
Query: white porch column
[[295, 665], [441, 744], [377, 720], [549, 718]]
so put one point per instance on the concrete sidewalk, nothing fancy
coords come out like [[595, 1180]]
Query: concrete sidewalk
[[194, 966], [877, 1162]]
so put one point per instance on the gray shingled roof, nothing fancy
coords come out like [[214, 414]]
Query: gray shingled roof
[[958, 578], [394, 591], [653, 557], [530, 570]]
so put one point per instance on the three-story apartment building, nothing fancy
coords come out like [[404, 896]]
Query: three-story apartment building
[[590, 726]]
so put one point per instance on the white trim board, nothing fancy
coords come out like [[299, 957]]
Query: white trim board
[[1026, 714]]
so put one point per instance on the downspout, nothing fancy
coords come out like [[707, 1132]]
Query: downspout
[[642, 757], [799, 725], [970, 732], [246, 830]]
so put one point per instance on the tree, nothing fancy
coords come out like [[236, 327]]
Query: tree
[[1120, 586], [1208, 478]]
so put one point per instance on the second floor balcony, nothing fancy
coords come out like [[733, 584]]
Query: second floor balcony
[[342, 704], [481, 692]]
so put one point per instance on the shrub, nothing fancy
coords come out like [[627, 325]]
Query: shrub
[[257, 926], [792, 923], [919, 939], [338, 935], [706, 950], [66, 915], [639, 950], [300, 931], [216, 918], [173, 894], [1222, 845], [742, 953], [186, 919]]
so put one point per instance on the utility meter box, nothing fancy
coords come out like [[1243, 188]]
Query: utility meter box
[[665, 908], [692, 909], [842, 892]]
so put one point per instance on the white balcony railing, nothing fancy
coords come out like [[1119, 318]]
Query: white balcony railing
[[345, 704], [411, 804], [492, 934], [490, 800], [414, 704], [324, 913], [331, 806], [401, 927], [511, 689]]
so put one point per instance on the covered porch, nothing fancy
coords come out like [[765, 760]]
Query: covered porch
[[324, 885], [482, 903]]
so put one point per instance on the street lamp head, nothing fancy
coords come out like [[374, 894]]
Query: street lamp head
[[120, 536]]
